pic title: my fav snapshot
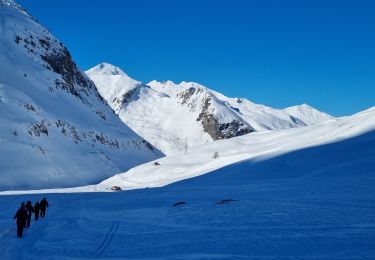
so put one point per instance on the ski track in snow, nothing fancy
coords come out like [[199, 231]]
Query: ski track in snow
[[108, 238], [106, 242]]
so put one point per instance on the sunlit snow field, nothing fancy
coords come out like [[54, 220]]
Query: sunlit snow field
[[282, 210]]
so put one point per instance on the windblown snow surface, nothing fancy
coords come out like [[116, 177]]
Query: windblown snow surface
[[304, 193]]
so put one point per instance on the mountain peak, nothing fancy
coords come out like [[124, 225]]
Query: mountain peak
[[107, 69], [166, 83], [303, 107], [308, 114]]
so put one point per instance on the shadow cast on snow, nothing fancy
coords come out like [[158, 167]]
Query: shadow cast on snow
[[353, 157]]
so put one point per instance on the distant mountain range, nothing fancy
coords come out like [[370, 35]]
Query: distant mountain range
[[171, 116]]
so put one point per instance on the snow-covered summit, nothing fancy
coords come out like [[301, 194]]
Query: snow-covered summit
[[112, 81], [308, 114], [172, 115], [107, 69]]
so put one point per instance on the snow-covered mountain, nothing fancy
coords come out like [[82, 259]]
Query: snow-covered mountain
[[308, 114], [171, 116], [56, 130]]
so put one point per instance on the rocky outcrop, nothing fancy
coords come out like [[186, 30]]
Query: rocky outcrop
[[62, 63], [54, 56], [217, 130]]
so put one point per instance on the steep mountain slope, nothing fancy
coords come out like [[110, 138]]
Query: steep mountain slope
[[308, 114], [56, 130], [171, 116]]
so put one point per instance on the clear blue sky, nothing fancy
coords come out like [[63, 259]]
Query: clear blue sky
[[278, 53]]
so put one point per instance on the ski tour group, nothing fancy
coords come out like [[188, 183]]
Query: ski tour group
[[24, 214]]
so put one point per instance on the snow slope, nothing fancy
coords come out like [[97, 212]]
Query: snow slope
[[247, 149], [56, 130], [290, 202], [166, 114]]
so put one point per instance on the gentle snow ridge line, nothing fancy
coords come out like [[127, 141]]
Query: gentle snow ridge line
[[257, 146]]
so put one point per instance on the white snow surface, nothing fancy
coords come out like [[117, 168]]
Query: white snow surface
[[244, 150], [254, 147], [308, 114], [167, 114], [307, 197], [56, 131], [299, 193]]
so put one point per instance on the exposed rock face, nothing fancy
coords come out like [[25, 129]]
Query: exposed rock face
[[217, 130], [44, 48], [186, 95], [57, 58], [125, 99], [62, 63], [128, 96]]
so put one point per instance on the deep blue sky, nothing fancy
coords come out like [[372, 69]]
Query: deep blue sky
[[278, 53]]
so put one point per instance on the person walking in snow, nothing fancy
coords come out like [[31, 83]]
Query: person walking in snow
[[36, 210], [21, 218], [43, 207], [30, 210]]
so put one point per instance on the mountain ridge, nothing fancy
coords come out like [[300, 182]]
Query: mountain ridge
[[153, 109]]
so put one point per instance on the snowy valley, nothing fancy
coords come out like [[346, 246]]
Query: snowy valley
[[199, 175], [285, 194]]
